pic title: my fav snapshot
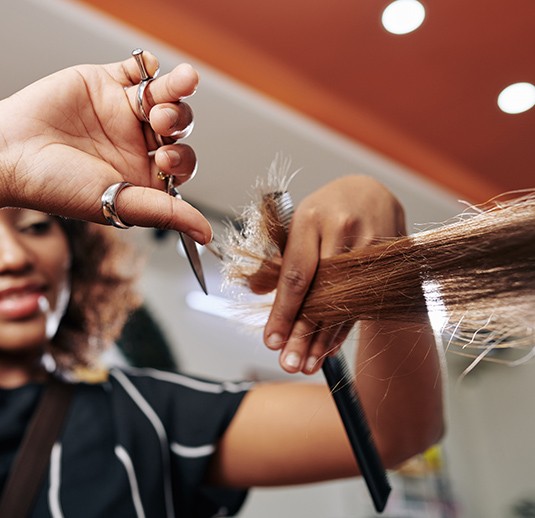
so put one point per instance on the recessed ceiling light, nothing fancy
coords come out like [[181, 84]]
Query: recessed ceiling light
[[517, 98], [403, 16]]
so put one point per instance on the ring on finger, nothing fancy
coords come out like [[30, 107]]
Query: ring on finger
[[107, 202], [140, 94], [146, 78]]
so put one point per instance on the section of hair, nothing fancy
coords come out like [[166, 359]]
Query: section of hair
[[473, 277]]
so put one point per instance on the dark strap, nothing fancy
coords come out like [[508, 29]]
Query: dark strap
[[28, 469]]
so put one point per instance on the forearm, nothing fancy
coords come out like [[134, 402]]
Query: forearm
[[291, 433], [283, 434], [398, 377]]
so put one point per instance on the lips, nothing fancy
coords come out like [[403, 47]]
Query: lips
[[20, 303]]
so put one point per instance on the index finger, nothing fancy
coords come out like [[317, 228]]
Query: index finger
[[146, 207], [299, 264]]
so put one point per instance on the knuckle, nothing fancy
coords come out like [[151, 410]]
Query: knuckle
[[347, 224], [164, 215], [279, 316], [307, 212], [295, 280]]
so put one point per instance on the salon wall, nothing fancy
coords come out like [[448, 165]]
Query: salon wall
[[237, 134]]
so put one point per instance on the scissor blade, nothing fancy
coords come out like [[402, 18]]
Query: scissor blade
[[190, 247]]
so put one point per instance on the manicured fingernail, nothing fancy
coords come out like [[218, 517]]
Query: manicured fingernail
[[292, 360], [274, 341], [311, 363], [183, 133], [173, 157], [183, 97]]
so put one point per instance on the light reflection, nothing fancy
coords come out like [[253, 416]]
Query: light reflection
[[211, 304], [517, 98], [403, 16], [438, 315]]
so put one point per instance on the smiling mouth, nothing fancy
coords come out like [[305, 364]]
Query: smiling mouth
[[20, 304]]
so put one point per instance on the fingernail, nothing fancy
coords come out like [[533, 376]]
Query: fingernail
[[187, 96], [311, 363], [173, 157], [186, 132], [292, 360], [274, 341], [198, 236], [172, 117]]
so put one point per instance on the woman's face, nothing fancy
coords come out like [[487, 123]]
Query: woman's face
[[34, 277]]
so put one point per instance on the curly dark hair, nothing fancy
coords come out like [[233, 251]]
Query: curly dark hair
[[103, 271]]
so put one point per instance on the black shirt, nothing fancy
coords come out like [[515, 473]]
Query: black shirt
[[137, 445]]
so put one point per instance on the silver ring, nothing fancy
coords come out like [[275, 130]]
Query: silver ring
[[140, 94], [108, 205], [146, 78]]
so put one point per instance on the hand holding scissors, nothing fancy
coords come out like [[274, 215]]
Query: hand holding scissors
[[108, 198]]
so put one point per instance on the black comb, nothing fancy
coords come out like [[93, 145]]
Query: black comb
[[341, 383]]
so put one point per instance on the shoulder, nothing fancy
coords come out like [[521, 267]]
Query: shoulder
[[173, 392], [171, 382], [185, 404]]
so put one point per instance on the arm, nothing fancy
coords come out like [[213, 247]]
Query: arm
[[291, 433], [68, 137]]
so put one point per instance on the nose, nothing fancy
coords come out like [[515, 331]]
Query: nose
[[14, 256]]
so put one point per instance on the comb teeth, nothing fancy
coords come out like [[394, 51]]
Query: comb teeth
[[284, 207]]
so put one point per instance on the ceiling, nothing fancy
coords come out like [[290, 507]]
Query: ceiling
[[426, 99]]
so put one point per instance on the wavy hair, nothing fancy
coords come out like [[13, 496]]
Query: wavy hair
[[103, 270]]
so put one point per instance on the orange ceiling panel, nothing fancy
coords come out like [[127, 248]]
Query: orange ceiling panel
[[426, 99]]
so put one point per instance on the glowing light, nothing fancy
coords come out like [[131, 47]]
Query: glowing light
[[403, 16], [517, 98], [211, 304]]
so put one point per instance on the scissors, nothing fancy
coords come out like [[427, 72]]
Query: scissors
[[190, 246]]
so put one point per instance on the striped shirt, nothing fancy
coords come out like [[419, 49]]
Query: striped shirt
[[137, 445]]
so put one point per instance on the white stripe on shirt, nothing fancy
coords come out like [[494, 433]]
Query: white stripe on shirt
[[192, 452], [55, 482], [151, 415], [185, 381], [123, 456]]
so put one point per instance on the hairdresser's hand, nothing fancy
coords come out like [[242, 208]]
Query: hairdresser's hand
[[347, 213], [66, 138]]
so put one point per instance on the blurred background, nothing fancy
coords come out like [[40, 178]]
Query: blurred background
[[433, 98]]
